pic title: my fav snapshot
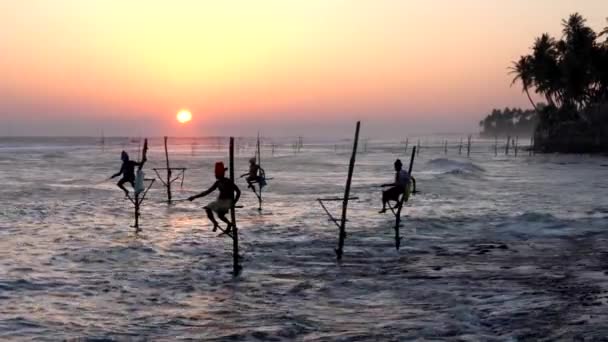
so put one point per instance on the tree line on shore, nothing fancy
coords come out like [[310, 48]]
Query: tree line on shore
[[509, 122], [571, 74]]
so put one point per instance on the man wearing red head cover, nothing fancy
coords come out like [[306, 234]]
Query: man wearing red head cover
[[223, 203]]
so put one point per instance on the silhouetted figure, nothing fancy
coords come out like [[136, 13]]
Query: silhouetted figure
[[255, 175], [127, 171], [401, 186], [224, 200]]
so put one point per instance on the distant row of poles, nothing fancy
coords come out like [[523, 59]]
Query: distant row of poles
[[463, 146]]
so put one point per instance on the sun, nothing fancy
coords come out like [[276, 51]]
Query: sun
[[184, 116]]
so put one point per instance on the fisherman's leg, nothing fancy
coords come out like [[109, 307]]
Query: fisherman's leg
[[252, 187], [222, 216], [384, 201], [121, 184], [211, 218]]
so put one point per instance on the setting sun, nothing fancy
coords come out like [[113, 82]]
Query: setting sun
[[184, 116]]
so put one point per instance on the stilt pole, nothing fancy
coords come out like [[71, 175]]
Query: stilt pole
[[460, 147], [236, 268], [168, 173], [351, 168], [400, 205], [259, 157]]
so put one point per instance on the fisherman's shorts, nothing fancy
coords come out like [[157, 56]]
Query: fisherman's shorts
[[393, 193], [220, 206]]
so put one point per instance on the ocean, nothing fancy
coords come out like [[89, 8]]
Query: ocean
[[494, 247]]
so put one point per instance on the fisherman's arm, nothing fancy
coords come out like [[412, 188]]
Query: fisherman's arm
[[204, 193], [122, 168]]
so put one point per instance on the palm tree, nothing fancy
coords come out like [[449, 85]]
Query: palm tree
[[576, 60], [545, 67], [524, 73], [604, 31]]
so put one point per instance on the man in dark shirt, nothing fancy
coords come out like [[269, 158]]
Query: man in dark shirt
[[127, 171], [227, 191], [255, 175]]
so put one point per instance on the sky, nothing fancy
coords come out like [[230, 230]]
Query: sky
[[282, 67]]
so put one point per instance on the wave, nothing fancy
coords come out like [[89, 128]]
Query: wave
[[454, 167]]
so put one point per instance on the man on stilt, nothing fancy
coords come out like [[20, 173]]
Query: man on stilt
[[401, 186], [255, 175], [127, 171], [222, 205]]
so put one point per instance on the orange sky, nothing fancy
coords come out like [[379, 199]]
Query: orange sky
[[428, 65]]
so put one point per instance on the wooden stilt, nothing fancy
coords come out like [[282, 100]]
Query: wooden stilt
[[516, 143], [168, 173], [351, 167], [418, 148], [445, 147], [469, 145], [140, 194], [407, 142], [169, 179], [236, 268], [460, 147], [400, 205], [507, 146], [259, 158], [496, 146]]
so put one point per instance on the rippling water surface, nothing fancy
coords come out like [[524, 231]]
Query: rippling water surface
[[494, 248]]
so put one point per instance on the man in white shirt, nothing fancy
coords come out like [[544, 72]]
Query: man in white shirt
[[401, 186]]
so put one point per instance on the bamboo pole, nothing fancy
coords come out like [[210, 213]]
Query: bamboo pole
[[236, 268], [351, 168], [400, 205], [168, 185], [259, 157], [137, 201]]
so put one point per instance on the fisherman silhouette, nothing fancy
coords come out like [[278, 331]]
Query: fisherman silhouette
[[127, 171], [227, 189], [255, 175], [402, 185]]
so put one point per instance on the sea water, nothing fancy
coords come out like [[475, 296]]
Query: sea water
[[494, 247]]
